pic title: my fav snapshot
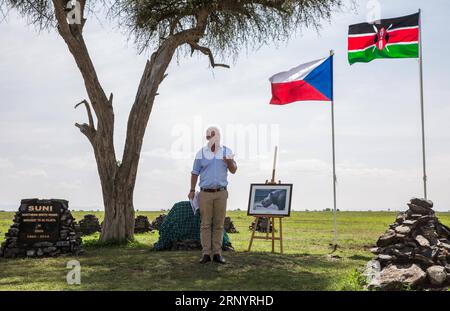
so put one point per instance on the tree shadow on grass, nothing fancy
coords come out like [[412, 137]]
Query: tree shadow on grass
[[139, 269], [181, 271]]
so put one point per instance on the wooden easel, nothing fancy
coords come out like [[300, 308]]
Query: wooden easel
[[270, 219]]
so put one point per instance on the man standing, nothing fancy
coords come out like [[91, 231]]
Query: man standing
[[212, 163]]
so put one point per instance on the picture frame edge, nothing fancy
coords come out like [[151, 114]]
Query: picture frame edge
[[290, 185]]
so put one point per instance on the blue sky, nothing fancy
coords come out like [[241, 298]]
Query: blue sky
[[378, 142]]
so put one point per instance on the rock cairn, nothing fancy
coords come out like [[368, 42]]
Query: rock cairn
[[89, 225], [156, 224], [142, 224], [262, 225], [229, 226], [414, 252], [68, 242]]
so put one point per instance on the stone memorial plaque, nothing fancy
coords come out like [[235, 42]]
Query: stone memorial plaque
[[41, 228], [40, 222]]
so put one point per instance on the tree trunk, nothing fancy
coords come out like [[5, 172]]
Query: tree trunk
[[118, 224], [117, 183]]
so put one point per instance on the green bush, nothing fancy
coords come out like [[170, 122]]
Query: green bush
[[353, 281]]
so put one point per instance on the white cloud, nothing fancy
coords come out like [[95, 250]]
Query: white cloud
[[5, 164], [157, 153], [32, 173]]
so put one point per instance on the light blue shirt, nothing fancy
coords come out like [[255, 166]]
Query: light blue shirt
[[211, 167]]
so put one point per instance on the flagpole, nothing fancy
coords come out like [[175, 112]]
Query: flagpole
[[334, 154], [422, 106]]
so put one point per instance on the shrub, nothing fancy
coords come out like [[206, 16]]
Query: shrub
[[354, 281]]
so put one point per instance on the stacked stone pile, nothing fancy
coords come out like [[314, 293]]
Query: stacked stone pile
[[414, 252], [142, 224], [229, 226], [156, 224], [68, 241], [262, 225], [89, 225]]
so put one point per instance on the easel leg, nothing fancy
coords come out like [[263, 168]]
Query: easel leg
[[281, 236], [273, 234], [253, 233]]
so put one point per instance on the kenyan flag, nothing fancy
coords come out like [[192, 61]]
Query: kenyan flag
[[388, 38]]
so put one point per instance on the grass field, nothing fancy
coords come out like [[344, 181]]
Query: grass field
[[304, 265]]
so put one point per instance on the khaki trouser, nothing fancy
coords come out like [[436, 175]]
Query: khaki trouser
[[213, 207]]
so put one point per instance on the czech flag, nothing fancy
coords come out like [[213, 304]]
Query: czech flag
[[310, 81]]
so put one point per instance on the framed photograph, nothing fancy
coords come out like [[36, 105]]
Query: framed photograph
[[270, 200]]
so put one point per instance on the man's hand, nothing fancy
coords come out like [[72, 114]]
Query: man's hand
[[229, 159], [191, 195], [230, 163]]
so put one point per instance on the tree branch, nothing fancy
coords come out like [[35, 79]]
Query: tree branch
[[196, 47], [72, 35], [89, 113], [86, 130]]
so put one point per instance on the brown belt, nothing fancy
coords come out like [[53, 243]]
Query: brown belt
[[213, 190]]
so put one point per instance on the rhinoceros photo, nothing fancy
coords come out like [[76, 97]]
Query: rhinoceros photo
[[275, 199]]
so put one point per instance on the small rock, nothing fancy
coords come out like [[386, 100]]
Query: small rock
[[394, 277], [23, 207], [447, 268], [415, 216], [400, 218], [31, 253], [423, 260], [42, 244], [48, 250], [436, 275], [424, 219], [400, 236], [375, 250], [387, 238], [416, 209], [422, 202], [445, 246], [384, 257], [422, 241], [13, 231], [405, 252]]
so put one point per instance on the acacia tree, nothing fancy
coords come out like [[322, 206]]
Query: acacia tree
[[208, 27]]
